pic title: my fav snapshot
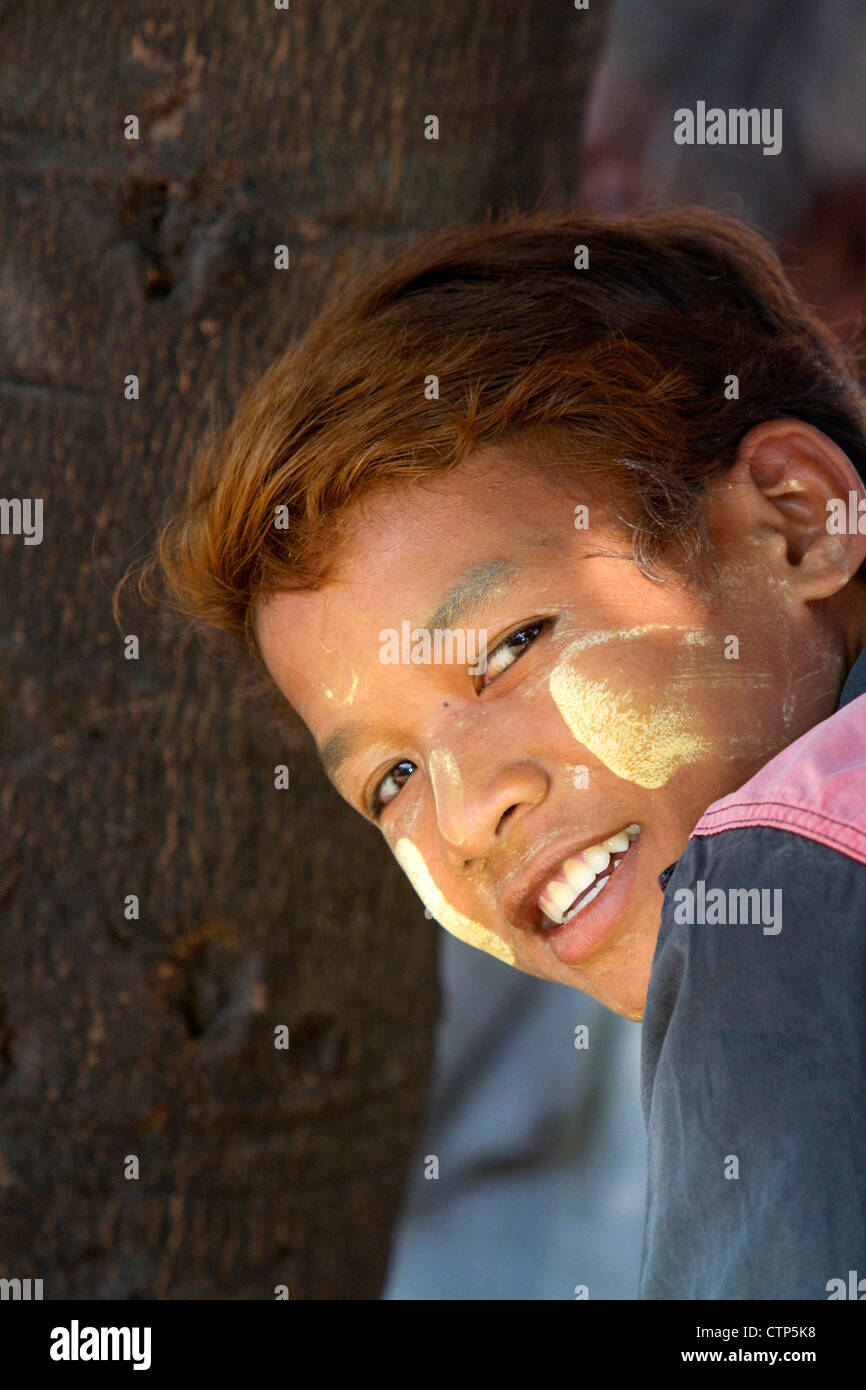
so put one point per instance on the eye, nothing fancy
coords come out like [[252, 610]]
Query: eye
[[385, 791], [505, 654], [511, 650]]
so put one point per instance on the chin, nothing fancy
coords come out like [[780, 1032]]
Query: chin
[[633, 1011], [625, 996]]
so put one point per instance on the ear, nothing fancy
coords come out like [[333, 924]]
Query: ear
[[794, 492]]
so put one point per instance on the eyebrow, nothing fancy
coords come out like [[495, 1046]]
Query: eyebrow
[[471, 590], [466, 598], [337, 748]]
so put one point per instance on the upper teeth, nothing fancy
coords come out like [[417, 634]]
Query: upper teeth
[[576, 874]]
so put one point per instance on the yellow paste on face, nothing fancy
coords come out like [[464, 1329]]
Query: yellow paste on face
[[642, 746], [446, 781], [691, 636], [411, 861]]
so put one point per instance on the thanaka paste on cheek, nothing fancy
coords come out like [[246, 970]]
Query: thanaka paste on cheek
[[642, 746], [691, 636], [412, 863]]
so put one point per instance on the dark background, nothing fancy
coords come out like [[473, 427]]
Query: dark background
[[155, 777]]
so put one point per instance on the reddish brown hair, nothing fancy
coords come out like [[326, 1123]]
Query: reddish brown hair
[[616, 370]]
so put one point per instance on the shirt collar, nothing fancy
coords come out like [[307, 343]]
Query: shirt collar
[[855, 685]]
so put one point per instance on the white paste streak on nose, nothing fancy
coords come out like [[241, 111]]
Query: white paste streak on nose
[[447, 785]]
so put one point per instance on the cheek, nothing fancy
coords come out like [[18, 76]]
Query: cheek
[[412, 863], [641, 741]]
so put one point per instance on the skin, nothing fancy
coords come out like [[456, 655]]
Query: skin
[[630, 680]]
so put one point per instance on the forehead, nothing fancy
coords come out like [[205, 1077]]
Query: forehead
[[452, 511]]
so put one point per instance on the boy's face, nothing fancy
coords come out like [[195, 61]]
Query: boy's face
[[606, 701]]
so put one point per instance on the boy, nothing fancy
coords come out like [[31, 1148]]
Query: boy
[[539, 531]]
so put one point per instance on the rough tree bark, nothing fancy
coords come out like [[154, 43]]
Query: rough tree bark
[[155, 1037]]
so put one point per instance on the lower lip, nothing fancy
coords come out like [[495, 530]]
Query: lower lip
[[590, 929]]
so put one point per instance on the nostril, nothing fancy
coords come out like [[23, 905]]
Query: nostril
[[505, 814]]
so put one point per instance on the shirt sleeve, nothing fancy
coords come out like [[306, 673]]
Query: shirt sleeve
[[752, 1073]]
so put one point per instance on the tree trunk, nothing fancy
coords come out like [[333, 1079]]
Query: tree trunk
[[154, 1038]]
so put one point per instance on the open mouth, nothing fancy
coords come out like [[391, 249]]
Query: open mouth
[[581, 879]]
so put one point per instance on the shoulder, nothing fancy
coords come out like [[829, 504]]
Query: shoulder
[[774, 875], [759, 927], [754, 1032], [765, 910], [815, 788], [753, 1049]]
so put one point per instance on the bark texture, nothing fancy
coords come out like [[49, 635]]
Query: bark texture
[[154, 1037]]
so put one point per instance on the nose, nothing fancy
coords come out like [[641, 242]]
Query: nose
[[476, 806]]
